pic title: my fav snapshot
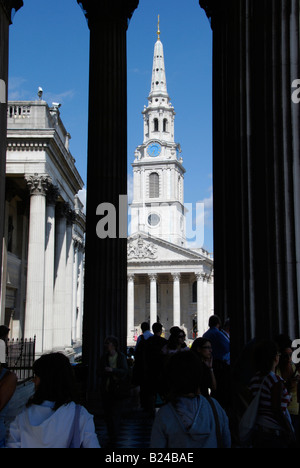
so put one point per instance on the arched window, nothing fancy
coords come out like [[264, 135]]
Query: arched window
[[156, 125], [194, 299], [154, 185], [165, 125]]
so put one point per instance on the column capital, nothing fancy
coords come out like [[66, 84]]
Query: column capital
[[212, 7], [199, 275], [108, 9], [153, 277], [130, 277], [38, 184], [10, 7], [176, 276]]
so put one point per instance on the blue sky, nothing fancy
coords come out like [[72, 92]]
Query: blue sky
[[49, 47]]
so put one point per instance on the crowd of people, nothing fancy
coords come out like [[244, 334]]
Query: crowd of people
[[194, 395]]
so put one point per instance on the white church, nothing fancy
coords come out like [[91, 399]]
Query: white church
[[167, 281]]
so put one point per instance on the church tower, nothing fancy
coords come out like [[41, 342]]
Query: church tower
[[158, 173]]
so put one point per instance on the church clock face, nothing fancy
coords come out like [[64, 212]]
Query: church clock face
[[154, 150], [153, 219]]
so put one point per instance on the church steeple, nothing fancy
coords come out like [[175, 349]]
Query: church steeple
[[158, 173]]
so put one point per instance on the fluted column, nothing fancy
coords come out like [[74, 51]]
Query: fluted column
[[106, 259], [130, 308], [60, 322], [201, 326], [6, 7], [176, 299], [256, 166], [34, 311], [75, 287], [153, 298], [70, 218], [52, 196]]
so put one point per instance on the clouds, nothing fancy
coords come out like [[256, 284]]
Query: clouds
[[18, 91]]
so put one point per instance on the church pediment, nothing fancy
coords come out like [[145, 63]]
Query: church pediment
[[148, 249]]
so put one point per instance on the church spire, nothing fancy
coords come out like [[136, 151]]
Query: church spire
[[159, 82]]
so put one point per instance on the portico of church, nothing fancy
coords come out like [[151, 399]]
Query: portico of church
[[169, 284]]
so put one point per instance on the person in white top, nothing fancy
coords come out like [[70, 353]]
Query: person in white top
[[51, 418]]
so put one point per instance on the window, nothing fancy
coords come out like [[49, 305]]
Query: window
[[156, 125], [165, 125], [154, 185]]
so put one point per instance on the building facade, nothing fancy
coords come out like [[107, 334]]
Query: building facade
[[166, 280], [43, 252]]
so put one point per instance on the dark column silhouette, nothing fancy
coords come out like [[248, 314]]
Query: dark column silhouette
[[6, 9], [256, 170], [105, 305]]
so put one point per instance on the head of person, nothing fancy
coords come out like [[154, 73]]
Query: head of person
[[202, 347], [145, 327], [54, 380], [214, 322], [176, 338], [111, 344], [4, 331], [184, 375], [265, 356], [157, 328]]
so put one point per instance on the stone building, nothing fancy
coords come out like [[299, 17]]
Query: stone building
[[43, 254], [166, 280]]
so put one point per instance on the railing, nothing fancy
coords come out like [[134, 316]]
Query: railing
[[20, 358]]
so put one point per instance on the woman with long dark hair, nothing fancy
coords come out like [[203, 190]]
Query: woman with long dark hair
[[51, 418]]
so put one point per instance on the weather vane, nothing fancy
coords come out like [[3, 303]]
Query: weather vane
[[158, 31]]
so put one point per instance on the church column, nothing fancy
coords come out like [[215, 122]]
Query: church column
[[52, 196], [106, 259], [130, 308], [34, 314], [176, 299], [153, 298]]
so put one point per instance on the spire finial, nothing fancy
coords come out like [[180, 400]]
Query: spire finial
[[158, 30]]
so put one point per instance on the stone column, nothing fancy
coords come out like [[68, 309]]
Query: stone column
[[106, 259], [176, 299], [61, 335], [34, 312], [70, 218], [153, 298], [80, 291], [201, 326], [75, 310], [130, 308], [6, 7], [52, 196], [256, 137]]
